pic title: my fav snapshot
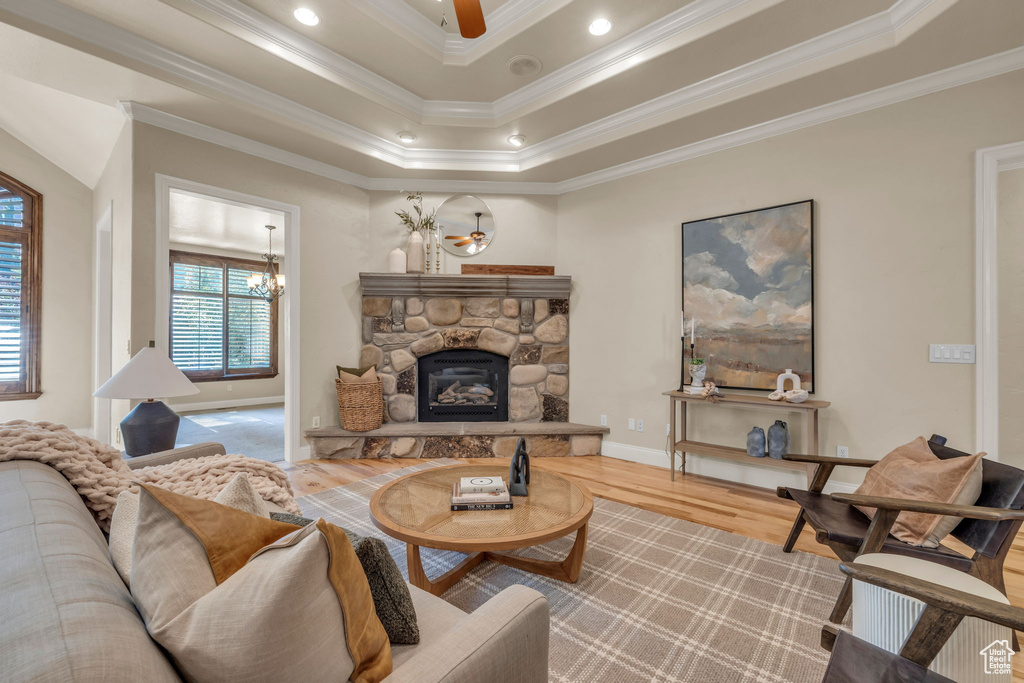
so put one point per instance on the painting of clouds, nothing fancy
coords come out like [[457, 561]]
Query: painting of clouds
[[747, 282]]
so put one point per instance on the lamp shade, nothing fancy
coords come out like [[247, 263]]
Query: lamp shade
[[149, 374]]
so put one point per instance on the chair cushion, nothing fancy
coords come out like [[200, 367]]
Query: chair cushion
[[855, 661], [436, 617], [66, 615], [913, 472], [846, 525]]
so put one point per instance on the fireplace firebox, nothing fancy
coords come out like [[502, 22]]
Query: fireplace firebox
[[463, 385]]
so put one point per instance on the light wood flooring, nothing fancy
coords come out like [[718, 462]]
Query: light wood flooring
[[737, 508]]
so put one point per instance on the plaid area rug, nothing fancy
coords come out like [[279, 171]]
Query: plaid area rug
[[659, 599]]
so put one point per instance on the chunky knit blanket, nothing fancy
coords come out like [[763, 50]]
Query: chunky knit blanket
[[98, 473]]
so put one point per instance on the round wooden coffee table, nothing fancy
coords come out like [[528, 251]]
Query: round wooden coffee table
[[416, 509]]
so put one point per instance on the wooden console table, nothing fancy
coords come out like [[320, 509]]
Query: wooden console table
[[677, 431]]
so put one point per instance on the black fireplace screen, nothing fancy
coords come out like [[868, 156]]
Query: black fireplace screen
[[463, 385]]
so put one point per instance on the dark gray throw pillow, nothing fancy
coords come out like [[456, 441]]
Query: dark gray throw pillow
[[390, 593]]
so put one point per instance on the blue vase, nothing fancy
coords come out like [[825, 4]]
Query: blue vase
[[778, 440], [756, 443]]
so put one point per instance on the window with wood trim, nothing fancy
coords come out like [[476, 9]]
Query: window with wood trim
[[219, 331], [21, 263]]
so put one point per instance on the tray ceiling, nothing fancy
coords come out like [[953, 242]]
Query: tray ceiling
[[669, 75]]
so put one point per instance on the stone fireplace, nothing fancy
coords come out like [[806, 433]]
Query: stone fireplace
[[408, 319], [504, 334]]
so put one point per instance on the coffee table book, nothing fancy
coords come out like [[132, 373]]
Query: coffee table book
[[496, 500]]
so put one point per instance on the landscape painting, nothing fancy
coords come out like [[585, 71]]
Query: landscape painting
[[748, 287]]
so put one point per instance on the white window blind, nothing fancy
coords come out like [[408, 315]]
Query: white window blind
[[11, 337], [218, 329], [20, 286]]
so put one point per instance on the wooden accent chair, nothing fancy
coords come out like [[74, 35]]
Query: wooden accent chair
[[989, 525], [854, 660]]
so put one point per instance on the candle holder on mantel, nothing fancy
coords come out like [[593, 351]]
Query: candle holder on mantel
[[697, 372]]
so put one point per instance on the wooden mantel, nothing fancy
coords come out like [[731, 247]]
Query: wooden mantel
[[515, 286]]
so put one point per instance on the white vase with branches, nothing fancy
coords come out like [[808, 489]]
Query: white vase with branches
[[421, 226]]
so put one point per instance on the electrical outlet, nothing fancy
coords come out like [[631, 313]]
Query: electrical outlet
[[842, 451], [631, 424], [668, 429], [604, 420], [316, 421], [229, 387], [117, 436], [639, 425]]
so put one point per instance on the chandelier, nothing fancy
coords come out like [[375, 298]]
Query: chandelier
[[269, 284]]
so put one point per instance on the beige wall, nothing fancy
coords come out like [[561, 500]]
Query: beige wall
[[66, 361], [245, 390], [894, 250], [525, 230], [1011, 316], [334, 244], [114, 190]]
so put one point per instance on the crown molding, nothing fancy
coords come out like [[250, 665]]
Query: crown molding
[[987, 67], [696, 20]]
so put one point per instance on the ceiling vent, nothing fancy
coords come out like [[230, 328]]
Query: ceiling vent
[[524, 66]]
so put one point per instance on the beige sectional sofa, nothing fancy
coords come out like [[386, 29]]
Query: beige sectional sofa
[[65, 615]]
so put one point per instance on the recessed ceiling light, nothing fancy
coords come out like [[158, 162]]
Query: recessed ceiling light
[[406, 136], [309, 17], [599, 27], [517, 140]]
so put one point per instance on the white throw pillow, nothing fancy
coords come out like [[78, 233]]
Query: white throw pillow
[[238, 494]]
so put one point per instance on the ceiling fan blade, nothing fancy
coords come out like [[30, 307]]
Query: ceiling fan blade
[[470, 17], [457, 237], [463, 243]]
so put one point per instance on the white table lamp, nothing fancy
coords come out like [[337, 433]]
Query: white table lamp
[[151, 426]]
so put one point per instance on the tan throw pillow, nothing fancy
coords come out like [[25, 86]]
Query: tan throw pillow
[[369, 376], [226, 592], [913, 472], [238, 494]]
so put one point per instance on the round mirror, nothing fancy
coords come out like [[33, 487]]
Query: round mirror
[[465, 225]]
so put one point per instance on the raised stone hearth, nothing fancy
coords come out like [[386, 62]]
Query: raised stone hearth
[[522, 317], [456, 440]]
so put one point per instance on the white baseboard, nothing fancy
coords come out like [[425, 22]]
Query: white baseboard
[[230, 403], [305, 453], [84, 431], [754, 474]]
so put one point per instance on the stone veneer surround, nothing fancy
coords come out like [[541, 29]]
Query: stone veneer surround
[[523, 317]]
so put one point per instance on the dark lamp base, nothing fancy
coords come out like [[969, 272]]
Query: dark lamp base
[[150, 428]]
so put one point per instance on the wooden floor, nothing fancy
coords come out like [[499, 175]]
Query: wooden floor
[[737, 508]]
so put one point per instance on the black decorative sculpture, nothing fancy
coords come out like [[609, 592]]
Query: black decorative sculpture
[[519, 473]]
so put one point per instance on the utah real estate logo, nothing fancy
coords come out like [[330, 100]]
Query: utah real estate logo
[[997, 657]]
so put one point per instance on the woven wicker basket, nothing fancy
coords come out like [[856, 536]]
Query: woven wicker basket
[[360, 406]]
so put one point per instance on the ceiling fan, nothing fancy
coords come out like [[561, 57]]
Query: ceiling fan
[[475, 236], [470, 17]]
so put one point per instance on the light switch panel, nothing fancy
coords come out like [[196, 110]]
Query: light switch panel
[[952, 353]]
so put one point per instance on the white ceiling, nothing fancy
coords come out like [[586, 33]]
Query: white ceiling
[[73, 133], [205, 222], [672, 77]]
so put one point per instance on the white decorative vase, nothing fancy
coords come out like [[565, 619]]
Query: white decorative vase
[[415, 256], [697, 373], [788, 375], [396, 261]]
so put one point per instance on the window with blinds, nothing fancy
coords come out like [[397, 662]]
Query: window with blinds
[[20, 273], [218, 329]]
